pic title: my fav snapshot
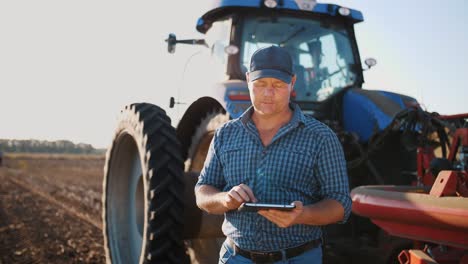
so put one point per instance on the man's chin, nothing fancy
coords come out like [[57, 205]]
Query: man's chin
[[268, 106], [266, 112]]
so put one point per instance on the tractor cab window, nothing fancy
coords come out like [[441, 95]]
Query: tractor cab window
[[321, 52]]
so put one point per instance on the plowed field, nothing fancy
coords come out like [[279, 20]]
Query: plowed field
[[50, 209]]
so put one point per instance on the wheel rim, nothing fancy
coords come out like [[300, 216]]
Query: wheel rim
[[201, 139], [126, 203]]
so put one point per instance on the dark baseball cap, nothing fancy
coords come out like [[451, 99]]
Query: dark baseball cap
[[273, 62]]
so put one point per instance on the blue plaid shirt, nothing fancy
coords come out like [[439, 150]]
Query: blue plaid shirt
[[304, 162]]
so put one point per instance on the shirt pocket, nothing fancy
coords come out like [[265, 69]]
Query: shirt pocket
[[293, 169], [236, 165]]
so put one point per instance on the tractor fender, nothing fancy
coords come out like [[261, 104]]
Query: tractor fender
[[366, 112], [192, 118]]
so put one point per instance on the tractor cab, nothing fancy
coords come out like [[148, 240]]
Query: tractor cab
[[319, 37]]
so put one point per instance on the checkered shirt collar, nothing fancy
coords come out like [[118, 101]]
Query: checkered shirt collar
[[297, 118]]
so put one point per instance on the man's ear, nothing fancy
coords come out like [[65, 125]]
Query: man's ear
[[247, 77], [293, 82]]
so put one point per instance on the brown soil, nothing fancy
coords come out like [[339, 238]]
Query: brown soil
[[50, 209]]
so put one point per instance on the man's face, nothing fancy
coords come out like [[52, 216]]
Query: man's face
[[270, 96]]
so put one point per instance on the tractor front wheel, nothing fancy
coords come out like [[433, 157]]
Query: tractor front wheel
[[143, 190]]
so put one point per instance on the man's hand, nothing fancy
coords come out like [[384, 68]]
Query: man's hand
[[237, 195], [284, 218]]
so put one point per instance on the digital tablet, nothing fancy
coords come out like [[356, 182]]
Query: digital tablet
[[253, 207]]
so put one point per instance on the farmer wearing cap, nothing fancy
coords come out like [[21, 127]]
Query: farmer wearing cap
[[273, 153]]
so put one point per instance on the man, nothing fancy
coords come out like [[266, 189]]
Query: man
[[274, 153]]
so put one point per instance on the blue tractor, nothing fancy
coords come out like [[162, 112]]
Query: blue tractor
[[149, 211]]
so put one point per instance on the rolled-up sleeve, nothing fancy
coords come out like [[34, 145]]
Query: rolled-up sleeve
[[212, 172], [332, 174]]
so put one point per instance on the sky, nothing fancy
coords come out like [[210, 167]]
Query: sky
[[68, 67]]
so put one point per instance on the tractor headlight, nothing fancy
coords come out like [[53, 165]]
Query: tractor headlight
[[344, 11], [270, 3]]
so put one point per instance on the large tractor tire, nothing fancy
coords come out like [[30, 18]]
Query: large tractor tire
[[143, 190]]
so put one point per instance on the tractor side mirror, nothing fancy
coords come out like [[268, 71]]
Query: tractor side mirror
[[171, 43], [370, 62], [171, 102]]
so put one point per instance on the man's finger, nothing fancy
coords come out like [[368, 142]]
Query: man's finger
[[270, 217], [273, 214], [265, 214], [235, 196], [243, 193], [249, 192]]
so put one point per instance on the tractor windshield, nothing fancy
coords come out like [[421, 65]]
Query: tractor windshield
[[321, 52]]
